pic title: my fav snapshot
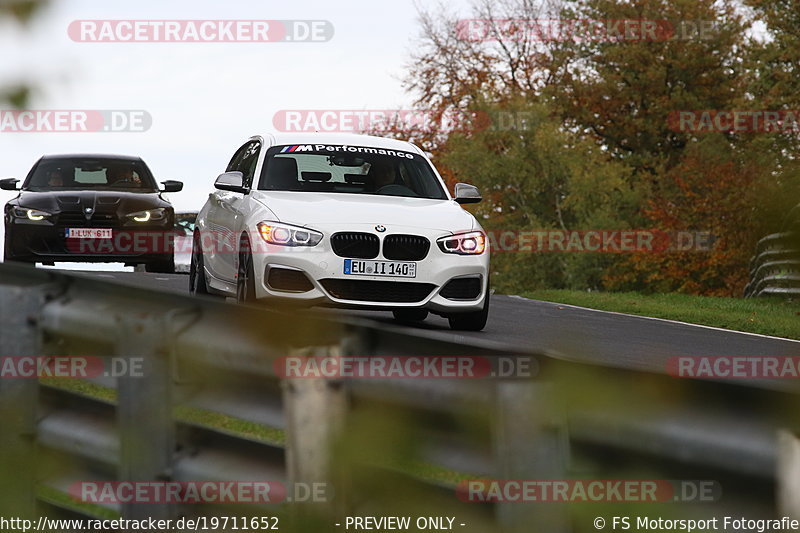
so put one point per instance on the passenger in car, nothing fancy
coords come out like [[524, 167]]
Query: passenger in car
[[56, 178]]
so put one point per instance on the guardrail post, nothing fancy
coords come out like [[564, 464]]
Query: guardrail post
[[788, 475], [144, 412], [529, 444], [315, 409], [19, 336]]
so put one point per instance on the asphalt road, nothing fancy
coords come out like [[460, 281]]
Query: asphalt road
[[571, 332]]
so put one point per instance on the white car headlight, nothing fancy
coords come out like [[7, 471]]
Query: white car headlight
[[470, 243], [151, 215], [288, 235], [31, 214]]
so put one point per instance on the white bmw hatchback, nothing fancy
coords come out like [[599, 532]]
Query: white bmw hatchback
[[342, 220]]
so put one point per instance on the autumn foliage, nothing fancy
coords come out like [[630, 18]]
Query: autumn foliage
[[596, 150]]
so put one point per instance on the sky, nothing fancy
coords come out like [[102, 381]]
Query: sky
[[205, 99]]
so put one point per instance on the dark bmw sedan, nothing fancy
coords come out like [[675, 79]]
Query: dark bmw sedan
[[96, 208]]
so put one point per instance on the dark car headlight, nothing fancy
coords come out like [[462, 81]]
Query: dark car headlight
[[35, 215], [470, 243], [149, 215]]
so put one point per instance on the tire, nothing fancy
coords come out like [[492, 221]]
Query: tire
[[197, 272], [245, 278], [410, 315], [475, 321], [162, 266]]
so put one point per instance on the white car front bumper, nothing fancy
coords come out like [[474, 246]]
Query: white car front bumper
[[329, 285]]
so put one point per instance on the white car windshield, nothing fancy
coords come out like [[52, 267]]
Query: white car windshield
[[349, 169]]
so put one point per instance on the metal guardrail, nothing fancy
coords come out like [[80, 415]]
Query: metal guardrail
[[207, 355], [775, 267]]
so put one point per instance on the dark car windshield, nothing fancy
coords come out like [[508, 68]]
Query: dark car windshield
[[349, 169], [54, 174]]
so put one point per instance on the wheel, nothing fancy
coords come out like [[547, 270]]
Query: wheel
[[410, 315], [197, 272], [475, 321], [165, 265], [245, 279]]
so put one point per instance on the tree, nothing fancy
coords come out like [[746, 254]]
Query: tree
[[22, 11], [539, 177], [622, 92], [603, 152]]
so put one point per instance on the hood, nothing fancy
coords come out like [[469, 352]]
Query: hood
[[99, 201], [308, 209]]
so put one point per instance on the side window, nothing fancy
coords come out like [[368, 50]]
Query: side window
[[237, 158], [247, 165]]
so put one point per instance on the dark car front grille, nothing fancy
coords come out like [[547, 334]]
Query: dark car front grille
[[355, 245], [377, 291], [284, 279], [78, 220], [406, 247], [462, 289]]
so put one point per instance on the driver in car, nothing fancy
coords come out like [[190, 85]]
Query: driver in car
[[382, 173], [123, 175]]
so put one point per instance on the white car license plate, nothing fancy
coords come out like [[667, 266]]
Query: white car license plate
[[397, 269], [89, 233]]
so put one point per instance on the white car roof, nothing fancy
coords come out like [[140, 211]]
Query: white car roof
[[343, 139]]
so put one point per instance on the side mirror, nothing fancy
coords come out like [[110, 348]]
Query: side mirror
[[172, 186], [182, 231], [467, 194], [9, 184], [231, 181]]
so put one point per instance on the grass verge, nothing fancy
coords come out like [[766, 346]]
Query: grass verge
[[779, 317]]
